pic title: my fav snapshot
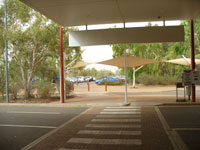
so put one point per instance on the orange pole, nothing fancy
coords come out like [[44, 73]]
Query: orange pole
[[77, 82], [106, 85], [88, 84]]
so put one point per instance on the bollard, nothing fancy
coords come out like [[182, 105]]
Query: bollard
[[88, 84], [106, 85]]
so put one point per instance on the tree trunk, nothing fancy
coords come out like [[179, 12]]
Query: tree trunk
[[134, 71], [173, 70], [134, 77]]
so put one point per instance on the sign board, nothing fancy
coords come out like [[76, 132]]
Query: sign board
[[191, 77], [187, 77], [196, 77]]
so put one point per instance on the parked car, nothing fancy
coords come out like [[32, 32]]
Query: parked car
[[56, 79], [72, 79], [89, 78], [121, 77], [111, 78], [80, 79], [35, 79]]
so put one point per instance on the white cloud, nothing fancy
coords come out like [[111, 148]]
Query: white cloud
[[98, 53], [1, 2]]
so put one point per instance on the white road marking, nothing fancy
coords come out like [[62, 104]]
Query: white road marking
[[119, 113], [27, 112], [102, 132], [106, 141], [116, 120], [123, 110], [129, 107], [26, 126], [118, 116], [113, 125]]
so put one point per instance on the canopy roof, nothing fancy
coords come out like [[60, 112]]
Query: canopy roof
[[87, 12], [132, 61], [81, 64], [183, 61]]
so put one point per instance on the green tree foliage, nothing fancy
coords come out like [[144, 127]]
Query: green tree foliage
[[161, 51], [84, 72], [33, 43]]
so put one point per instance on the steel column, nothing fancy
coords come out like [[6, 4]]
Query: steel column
[[192, 58], [125, 73], [62, 97], [6, 54]]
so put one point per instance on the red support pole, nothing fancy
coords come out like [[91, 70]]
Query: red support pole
[[88, 84], [193, 58], [77, 82], [106, 85], [61, 67]]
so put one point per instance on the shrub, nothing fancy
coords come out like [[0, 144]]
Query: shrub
[[14, 88], [68, 87], [155, 80], [45, 89], [120, 82]]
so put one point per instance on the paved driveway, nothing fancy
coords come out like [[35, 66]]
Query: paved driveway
[[185, 121], [20, 126]]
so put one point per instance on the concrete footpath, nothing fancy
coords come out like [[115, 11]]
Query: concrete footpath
[[151, 122], [119, 128]]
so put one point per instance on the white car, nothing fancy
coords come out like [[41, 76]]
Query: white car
[[81, 79]]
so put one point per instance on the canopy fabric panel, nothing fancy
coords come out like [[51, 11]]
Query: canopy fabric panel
[[183, 61], [88, 12], [81, 64], [132, 61], [128, 35]]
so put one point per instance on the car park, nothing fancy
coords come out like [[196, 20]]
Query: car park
[[110, 78], [89, 78], [80, 79]]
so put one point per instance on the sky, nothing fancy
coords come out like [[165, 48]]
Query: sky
[[100, 53]]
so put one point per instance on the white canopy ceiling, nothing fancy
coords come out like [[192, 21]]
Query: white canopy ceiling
[[82, 12]]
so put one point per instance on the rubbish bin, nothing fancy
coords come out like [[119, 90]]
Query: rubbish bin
[[188, 91]]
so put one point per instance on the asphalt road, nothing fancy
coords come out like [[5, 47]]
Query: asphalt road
[[19, 126], [156, 93], [185, 121]]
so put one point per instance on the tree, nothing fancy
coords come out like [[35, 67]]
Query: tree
[[162, 51], [34, 45]]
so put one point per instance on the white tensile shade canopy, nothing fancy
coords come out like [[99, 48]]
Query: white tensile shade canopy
[[132, 61], [81, 64], [127, 62], [183, 61]]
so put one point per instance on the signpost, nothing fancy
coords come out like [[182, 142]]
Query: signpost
[[191, 77], [187, 77], [6, 56]]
